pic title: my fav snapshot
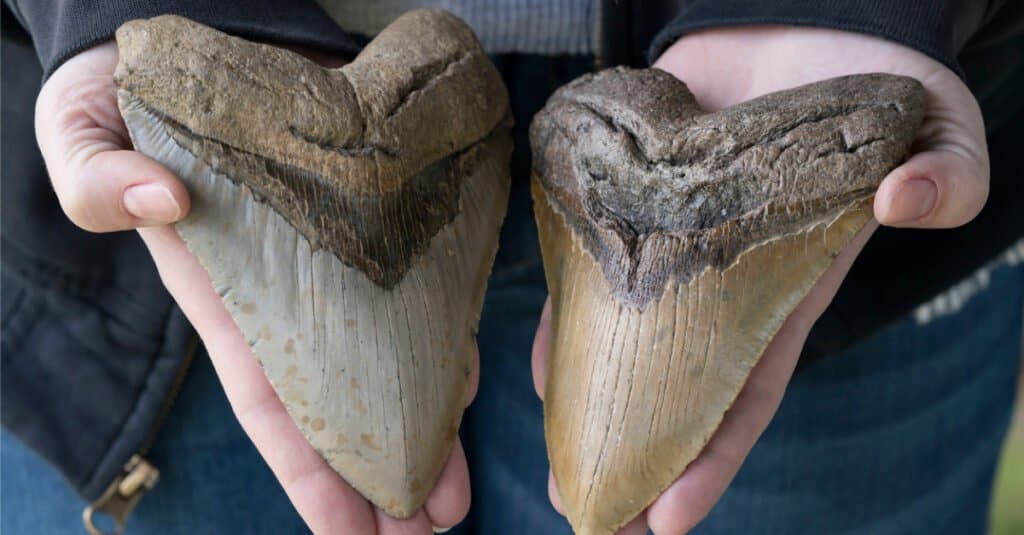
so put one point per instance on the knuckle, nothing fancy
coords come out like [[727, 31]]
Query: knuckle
[[77, 206]]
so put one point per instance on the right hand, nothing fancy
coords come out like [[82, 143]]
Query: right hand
[[943, 184], [104, 186]]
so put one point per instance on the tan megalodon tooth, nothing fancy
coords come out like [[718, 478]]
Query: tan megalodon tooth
[[675, 244], [349, 219]]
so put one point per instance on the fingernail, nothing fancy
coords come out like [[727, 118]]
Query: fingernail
[[151, 203], [914, 199], [440, 530]]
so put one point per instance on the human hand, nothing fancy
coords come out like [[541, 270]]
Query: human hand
[[104, 186], [944, 184]]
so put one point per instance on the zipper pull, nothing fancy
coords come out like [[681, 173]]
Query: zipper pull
[[123, 494]]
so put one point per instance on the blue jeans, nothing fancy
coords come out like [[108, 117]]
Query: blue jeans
[[899, 434]]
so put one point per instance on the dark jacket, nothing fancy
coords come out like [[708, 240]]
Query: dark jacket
[[93, 346]]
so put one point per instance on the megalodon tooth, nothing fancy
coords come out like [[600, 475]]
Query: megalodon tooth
[[348, 217], [675, 243]]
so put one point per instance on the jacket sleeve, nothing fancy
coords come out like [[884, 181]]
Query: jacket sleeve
[[939, 29], [62, 28]]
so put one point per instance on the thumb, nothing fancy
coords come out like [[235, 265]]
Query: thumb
[[934, 189], [101, 184], [946, 183]]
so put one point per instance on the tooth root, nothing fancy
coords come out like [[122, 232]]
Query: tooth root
[[357, 275], [675, 246]]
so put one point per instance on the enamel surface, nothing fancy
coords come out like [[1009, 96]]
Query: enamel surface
[[376, 379]]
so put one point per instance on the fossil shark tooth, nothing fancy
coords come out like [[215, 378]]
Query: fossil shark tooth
[[349, 219], [675, 243]]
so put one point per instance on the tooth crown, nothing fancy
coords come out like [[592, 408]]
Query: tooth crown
[[675, 244], [348, 219]]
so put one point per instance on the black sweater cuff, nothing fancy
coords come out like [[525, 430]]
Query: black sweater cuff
[[939, 29], [62, 28]]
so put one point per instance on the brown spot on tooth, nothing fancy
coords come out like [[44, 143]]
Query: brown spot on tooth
[[353, 383], [304, 419], [289, 346], [247, 308], [350, 323], [341, 440], [368, 440], [317, 425]]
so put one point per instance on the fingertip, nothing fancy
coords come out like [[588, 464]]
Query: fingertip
[[119, 190], [449, 502], [151, 204], [152, 195], [910, 200], [637, 526], [553, 496], [933, 189], [417, 524], [689, 499], [671, 513]]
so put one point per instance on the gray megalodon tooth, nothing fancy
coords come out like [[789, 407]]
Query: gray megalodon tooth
[[348, 217]]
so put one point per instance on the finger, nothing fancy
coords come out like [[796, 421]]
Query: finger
[[638, 526], [100, 185], [687, 501], [946, 183], [449, 502], [474, 374], [541, 348], [321, 497], [117, 190], [941, 188], [556, 499], [680, 508], [417, 524]]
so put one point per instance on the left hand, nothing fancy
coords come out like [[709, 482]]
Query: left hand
[[104, 186], [944, 184]]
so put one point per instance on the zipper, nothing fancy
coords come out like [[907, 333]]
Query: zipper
[[123, 494], [138, 476]]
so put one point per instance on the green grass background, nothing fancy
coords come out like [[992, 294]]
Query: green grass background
[[1008, 499]]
